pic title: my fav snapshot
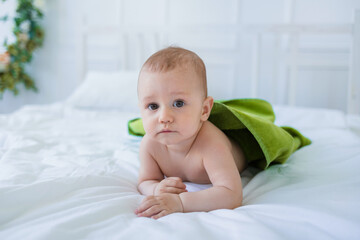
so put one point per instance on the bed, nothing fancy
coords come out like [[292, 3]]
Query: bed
[[68, 170], [70, 173]]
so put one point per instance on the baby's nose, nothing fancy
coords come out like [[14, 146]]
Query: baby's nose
[[165, 116]]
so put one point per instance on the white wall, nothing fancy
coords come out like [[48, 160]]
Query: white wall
[[227, 54]]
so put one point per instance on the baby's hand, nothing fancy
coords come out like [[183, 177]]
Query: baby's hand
[[170, 185], [159, 206]]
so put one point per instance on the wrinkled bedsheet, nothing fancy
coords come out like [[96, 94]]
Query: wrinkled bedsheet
[[68, 173]]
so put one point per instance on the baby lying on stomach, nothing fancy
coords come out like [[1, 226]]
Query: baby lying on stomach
[[180, 142], [183, 142]]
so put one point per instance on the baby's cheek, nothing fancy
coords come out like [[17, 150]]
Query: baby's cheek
[[190, 128], [148, 127]]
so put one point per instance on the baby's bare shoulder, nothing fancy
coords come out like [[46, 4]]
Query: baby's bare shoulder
[[145, 143], [211, 137], [218, 158], [148, 145]]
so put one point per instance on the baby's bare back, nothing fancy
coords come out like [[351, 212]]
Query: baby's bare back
[[190, 166]]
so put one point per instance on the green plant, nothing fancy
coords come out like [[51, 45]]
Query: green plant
[[29, 36]]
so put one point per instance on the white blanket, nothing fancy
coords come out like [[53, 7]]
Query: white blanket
[[67, 173]]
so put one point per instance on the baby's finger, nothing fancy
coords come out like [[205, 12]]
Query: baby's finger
[[150, 211], [147, 203], [174, 190], [174, 178], [160, 214], [175, 183]]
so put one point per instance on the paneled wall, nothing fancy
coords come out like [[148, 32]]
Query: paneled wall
[[221, 32]]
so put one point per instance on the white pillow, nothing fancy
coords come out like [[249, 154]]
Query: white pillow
[[303, 118], [107, 90]]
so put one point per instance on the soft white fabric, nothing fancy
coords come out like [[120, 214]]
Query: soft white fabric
[[304, 118], [69, 173], [105, 90]]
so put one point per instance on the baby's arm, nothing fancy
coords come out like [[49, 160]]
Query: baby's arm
[[151, 179], [169, 185], [225, 193], [224, 175], [150, 174]]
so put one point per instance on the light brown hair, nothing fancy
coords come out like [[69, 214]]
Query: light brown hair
[[170, 58]]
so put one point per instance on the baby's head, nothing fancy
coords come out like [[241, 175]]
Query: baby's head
[[172, 94], [172, 58]]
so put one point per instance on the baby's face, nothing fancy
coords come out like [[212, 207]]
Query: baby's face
[[171, 104]]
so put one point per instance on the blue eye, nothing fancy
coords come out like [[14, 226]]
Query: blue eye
[[153, 106], [178, 104]]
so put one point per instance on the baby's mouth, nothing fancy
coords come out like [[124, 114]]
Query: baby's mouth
[[166, 131]]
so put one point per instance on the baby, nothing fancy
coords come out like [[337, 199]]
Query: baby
[[180, 144]]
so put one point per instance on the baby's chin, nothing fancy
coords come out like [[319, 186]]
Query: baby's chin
[[173, 139], [168, 138]]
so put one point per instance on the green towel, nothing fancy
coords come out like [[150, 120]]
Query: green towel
[[250, 122]]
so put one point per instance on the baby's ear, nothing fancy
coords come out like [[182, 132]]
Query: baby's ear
[[206, 109]]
